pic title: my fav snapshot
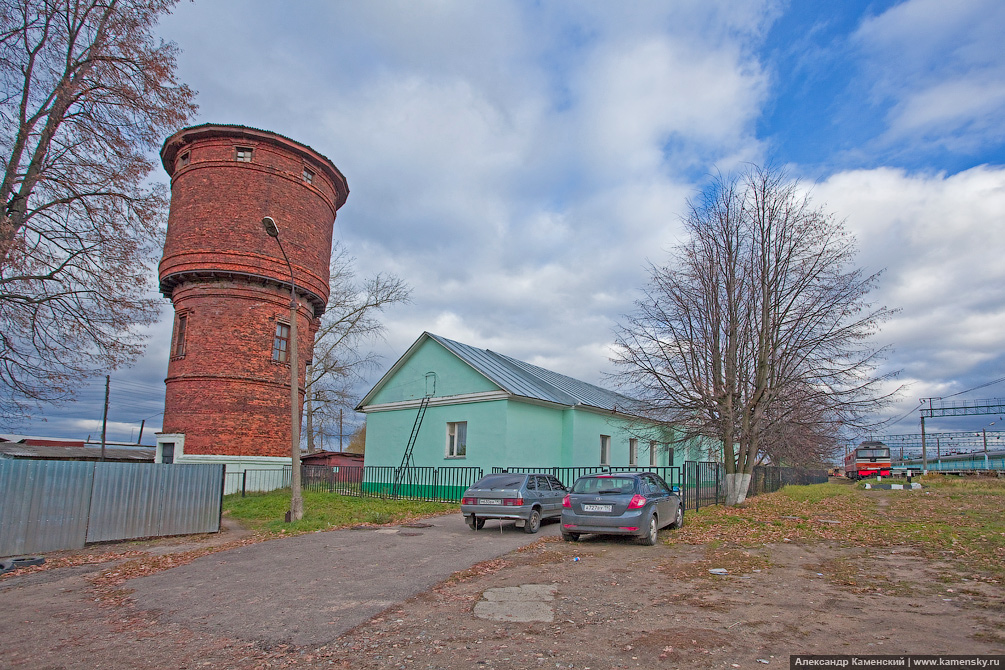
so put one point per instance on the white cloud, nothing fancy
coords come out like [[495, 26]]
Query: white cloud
[[939, 239], [942, 68], [640, 97]]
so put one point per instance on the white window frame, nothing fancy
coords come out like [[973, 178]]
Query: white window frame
[[244, 154], [654, 453], [605, 449], [633, 451], [452, 450]]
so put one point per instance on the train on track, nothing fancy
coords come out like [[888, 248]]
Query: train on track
[[869, 459]]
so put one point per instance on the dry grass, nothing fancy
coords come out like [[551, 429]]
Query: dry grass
[[954, 518]]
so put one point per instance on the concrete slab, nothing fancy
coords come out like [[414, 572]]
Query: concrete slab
[[526, 603]]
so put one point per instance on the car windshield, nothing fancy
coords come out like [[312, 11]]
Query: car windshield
[[604, 485], [507, 481]]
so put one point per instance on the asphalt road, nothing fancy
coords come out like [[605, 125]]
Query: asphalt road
[[310, 589]]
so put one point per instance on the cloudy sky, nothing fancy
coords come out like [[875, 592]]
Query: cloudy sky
[[518, 163]]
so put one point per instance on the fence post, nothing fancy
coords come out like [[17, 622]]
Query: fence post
[[223, 489], [716, 483], [244, 482]]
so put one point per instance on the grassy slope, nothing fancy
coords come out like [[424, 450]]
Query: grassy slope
[[961, 518]]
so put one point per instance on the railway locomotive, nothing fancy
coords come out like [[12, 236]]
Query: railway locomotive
[[869, 459]]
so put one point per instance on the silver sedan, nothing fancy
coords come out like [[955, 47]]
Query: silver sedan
[[524, 498]]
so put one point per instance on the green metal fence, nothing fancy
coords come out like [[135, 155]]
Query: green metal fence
[[702, 482]]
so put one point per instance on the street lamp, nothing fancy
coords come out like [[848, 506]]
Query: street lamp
[[296, 499]]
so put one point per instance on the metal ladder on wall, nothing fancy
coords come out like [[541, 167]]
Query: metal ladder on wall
[[406, 460]]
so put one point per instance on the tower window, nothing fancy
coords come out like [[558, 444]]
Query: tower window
[[184, 159], [179, 335], [308, 176], [243, 154], [281, 344]]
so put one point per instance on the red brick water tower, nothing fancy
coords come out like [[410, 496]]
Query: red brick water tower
[[228, 380]]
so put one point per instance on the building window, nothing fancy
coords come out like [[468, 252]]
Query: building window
[[243, 154], [457, 439], [180, 332], [167, 452], [654, 453], [308, 176], [633, 452], [281, 343], [605, 449], [185, 157]]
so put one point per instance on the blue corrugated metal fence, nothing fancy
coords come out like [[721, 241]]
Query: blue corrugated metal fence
[[53, 505]]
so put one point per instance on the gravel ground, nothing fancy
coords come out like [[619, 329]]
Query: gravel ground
[[613, 604]]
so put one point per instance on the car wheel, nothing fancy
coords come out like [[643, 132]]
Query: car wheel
[[475, 523], [678, 521], [649, 539], [533, 524], [570, 537]]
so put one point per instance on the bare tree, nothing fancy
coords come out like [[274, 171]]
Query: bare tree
[[757, 329], [88, 94], [340, 354]]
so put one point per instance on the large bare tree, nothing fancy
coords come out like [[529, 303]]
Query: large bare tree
[[341, 356], [756, 332], [88, 95]]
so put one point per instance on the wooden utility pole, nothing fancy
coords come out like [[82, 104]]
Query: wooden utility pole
[[104, 417]]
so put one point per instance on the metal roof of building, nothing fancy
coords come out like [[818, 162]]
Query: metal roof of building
[[530, 381], [121, 454]]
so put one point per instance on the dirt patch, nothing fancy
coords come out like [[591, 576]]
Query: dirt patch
[[616, 605], [621, 606]]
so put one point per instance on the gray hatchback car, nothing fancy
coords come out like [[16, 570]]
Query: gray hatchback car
[[525, 498], [630, 503]]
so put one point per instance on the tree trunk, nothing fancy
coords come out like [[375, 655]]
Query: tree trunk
[[737, 484]]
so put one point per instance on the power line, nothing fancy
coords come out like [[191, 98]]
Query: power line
[[907, 414], [991, 383]]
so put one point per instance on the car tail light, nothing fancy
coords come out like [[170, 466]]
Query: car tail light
[[628, 527], [566, 502], [469, 501], [512, 502], [638, 501]]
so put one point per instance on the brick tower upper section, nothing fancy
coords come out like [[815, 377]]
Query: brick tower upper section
[[224, 179], [228, 381]]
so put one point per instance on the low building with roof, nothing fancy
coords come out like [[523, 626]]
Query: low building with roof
[[73, 450], [444, 403]]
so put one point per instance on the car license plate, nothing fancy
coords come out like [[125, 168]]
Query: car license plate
[[596, 508], [489, 501]]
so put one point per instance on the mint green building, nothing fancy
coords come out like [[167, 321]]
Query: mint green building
[[482, 409]]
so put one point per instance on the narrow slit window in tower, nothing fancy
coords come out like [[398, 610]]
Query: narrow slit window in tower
[[179, 335]]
